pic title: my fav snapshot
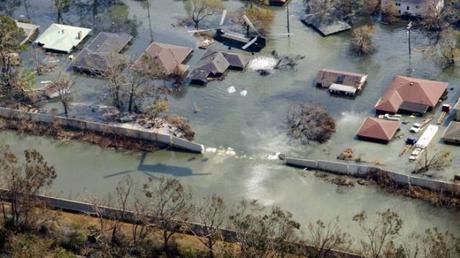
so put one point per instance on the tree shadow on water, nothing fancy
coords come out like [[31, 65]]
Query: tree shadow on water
[[158, 168]]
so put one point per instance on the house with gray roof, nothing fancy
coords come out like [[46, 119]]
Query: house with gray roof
[[214, 64], [62, 38], [102, 52]]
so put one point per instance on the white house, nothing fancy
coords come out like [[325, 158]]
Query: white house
[[416, 7]]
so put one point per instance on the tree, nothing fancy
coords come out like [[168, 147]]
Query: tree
[[157, 111], [61, 6], [438, 161], [211, 214], [170, 206], [322, 9], [361, 40], [379, 237], [262, 18], [260, 233], [63, 86], [371, 6], [116, 81], [309, 122], [198, 10], [24, 182], [10, 35], [390, 11], [438, 244], [327, 237], [123, 193]]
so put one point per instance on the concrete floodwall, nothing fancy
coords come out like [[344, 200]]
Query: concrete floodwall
[[334, 167], [402, 179], [112, 129]]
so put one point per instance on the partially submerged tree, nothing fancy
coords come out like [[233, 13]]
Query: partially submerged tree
[[309, 122], [390, 11], [63, 85], [61, 6], [371, 6], [437, 161], [24, 181], [361, 40], [326, 237], [261, 17], [379, 235], [170, 205], [198, 10], [438, 244]]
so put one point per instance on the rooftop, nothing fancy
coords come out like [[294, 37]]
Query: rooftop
[[29, 30], [378, 129], [410, 92], [325, 26], [327, 77], [169, 57], [62, 38], [452, 132]]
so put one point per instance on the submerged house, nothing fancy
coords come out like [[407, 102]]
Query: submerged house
[[457, 110], [169, 58], [452, 133], [417, 8], [62, 38], [326, 26], [214, 64], [30, 31], [378, 130], [341, 83], [411, 95], [102, 52]]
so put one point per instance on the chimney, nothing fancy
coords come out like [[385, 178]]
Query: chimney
[[79, 34]]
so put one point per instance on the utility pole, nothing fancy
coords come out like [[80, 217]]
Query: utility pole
[[287, 18], [409, 27]]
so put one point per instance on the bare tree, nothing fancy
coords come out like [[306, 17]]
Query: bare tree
[[170, 206], [116, 82], [371, 6], [198, 10], [327, 237], [379, 236], [438, 161], [61, 6], [211, 213], [24, 182], [260, 233], [438, 244], [361, 40], [390, 11], [63, 85], [123, 193]]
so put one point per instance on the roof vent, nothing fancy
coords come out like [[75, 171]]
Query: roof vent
[[411, 83]]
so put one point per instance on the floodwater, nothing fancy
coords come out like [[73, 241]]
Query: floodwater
[[253, 125]]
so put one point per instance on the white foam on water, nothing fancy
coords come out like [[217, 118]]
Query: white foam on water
[[243, 93], [231, 89], [262, 63]]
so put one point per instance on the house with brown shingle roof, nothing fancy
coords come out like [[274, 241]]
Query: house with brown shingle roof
[[411, 95], [170, 58], [378, 130]]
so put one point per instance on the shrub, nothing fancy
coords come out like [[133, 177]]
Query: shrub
[[361, 40], [308, 122]]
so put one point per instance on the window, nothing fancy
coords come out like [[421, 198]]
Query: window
[[408, 8]]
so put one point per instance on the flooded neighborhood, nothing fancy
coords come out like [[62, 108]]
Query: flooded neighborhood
[[342, 116]]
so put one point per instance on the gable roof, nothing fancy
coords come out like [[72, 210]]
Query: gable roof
[[29, 30], [169, 57], [328, 76], [411, 90], [61, 37], [379, 129], [104, 49], [452, 132]]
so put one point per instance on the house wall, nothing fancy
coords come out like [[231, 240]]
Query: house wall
[[414, 9]]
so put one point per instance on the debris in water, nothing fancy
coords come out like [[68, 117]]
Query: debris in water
[[274, 156], [263, 63], [243, 93], [231, 89]]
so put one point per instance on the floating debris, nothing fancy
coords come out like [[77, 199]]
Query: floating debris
[[263, 63], [231, 90], [243, 93]]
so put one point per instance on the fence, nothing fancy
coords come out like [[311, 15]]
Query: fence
[[113, 129], [343, 168], [189, 228]]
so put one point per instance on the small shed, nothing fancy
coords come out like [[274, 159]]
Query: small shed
[[30, 31], [457, 111], [378, 130], [62, 38], [326, 26], [452, 133], [427, 136]]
